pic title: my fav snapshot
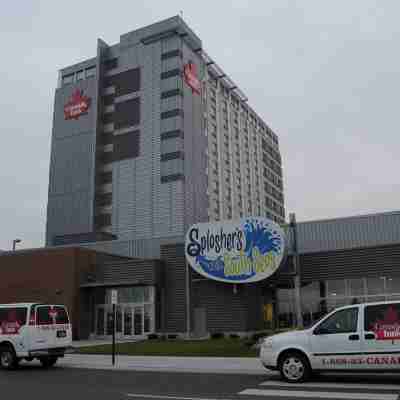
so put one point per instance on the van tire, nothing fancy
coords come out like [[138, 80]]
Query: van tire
[[294, 367], [8, 358], [48, 362]]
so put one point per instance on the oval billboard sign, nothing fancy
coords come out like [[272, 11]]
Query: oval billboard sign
[[239, 251]]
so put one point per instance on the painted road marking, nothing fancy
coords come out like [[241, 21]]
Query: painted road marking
[[327, 385], [154, 396], [319, 395]]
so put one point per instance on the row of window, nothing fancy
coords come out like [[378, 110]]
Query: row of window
[[78, 75], [253, 119], [321, 297]]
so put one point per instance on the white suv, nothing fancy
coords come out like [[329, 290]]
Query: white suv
[[32, 330], [362, 337]]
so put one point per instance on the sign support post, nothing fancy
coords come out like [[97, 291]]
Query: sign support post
[[297, 269], [187, 300], [114, 300]]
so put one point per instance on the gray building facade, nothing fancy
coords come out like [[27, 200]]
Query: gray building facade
[[150, 137]]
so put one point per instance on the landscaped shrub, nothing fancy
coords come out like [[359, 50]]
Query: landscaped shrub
[[217, 335], [259, 335], [152, 336], [234, 336], [172, 336]]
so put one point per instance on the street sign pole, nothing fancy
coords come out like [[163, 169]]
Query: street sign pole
[[113, 337], [114, 301]]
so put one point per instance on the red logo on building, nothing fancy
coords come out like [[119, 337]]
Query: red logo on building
[[77, 105], [191, 79]]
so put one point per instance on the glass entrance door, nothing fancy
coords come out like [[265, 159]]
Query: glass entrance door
[[138, 320], [128, 325]]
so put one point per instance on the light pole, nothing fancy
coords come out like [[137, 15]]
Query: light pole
[[15, 241]]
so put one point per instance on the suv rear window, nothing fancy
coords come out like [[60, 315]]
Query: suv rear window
[[61, 315]]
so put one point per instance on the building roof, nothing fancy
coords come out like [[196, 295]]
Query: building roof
[[358, 231]]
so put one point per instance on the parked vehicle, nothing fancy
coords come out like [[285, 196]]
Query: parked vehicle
[[32, 330], [363, 337]]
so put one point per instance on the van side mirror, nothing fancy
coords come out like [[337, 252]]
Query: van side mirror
[[320, 330]]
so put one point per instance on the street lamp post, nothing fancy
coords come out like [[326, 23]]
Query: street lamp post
[[15, 241]]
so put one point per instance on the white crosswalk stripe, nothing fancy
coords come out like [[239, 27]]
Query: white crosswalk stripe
[[318, 395], [324, 385], [325, 390]]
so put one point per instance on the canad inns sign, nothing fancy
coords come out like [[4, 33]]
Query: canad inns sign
[[240, 251], [77, 105]]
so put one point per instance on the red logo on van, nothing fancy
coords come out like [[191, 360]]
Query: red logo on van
[[190, 76], [77, 105], [388, 328], [11, 325]]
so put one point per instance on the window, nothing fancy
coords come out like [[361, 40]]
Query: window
[[61, 315], [376, 286], [43, 316], [382, 317], [127, 113], [67, 79], [110, 64], [90, 72], [11, 319], [80, 75], [343, 321]]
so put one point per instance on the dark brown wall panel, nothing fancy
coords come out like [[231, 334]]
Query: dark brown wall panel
[[127, 113], [126, 146]]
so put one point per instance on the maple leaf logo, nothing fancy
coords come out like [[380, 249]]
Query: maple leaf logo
[[77, 105], [388, 328]]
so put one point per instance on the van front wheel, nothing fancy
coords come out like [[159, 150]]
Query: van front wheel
[[8, 359], [294, 367], [48, 362]]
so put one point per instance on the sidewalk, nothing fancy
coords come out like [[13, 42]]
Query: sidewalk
[[99, 342], [219, 365]]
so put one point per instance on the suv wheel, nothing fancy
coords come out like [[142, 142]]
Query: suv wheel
[[8, 359], [294, 367]]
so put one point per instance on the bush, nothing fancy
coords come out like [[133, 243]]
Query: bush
[[172, 336], [234, 336], [217, 335], [259, 335], [152, 336]]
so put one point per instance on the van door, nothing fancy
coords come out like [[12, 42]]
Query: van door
[[63, 329], [13, 326], [335, 342], [381, 335], [42, 336]]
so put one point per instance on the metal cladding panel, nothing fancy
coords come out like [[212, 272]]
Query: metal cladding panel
[[71, 177], [157, 30], [141, 248], [349, 233], [225, 310], [351, 263], [85, 123], [195, 144], [174, 301], [143, 271]]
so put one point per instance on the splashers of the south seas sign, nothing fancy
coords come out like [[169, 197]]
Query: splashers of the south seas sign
[[240, 251]]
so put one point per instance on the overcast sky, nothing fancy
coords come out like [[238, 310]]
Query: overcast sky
[[323, 74]]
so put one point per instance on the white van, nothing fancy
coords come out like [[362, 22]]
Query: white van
[[33, 330], [362, 337]]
